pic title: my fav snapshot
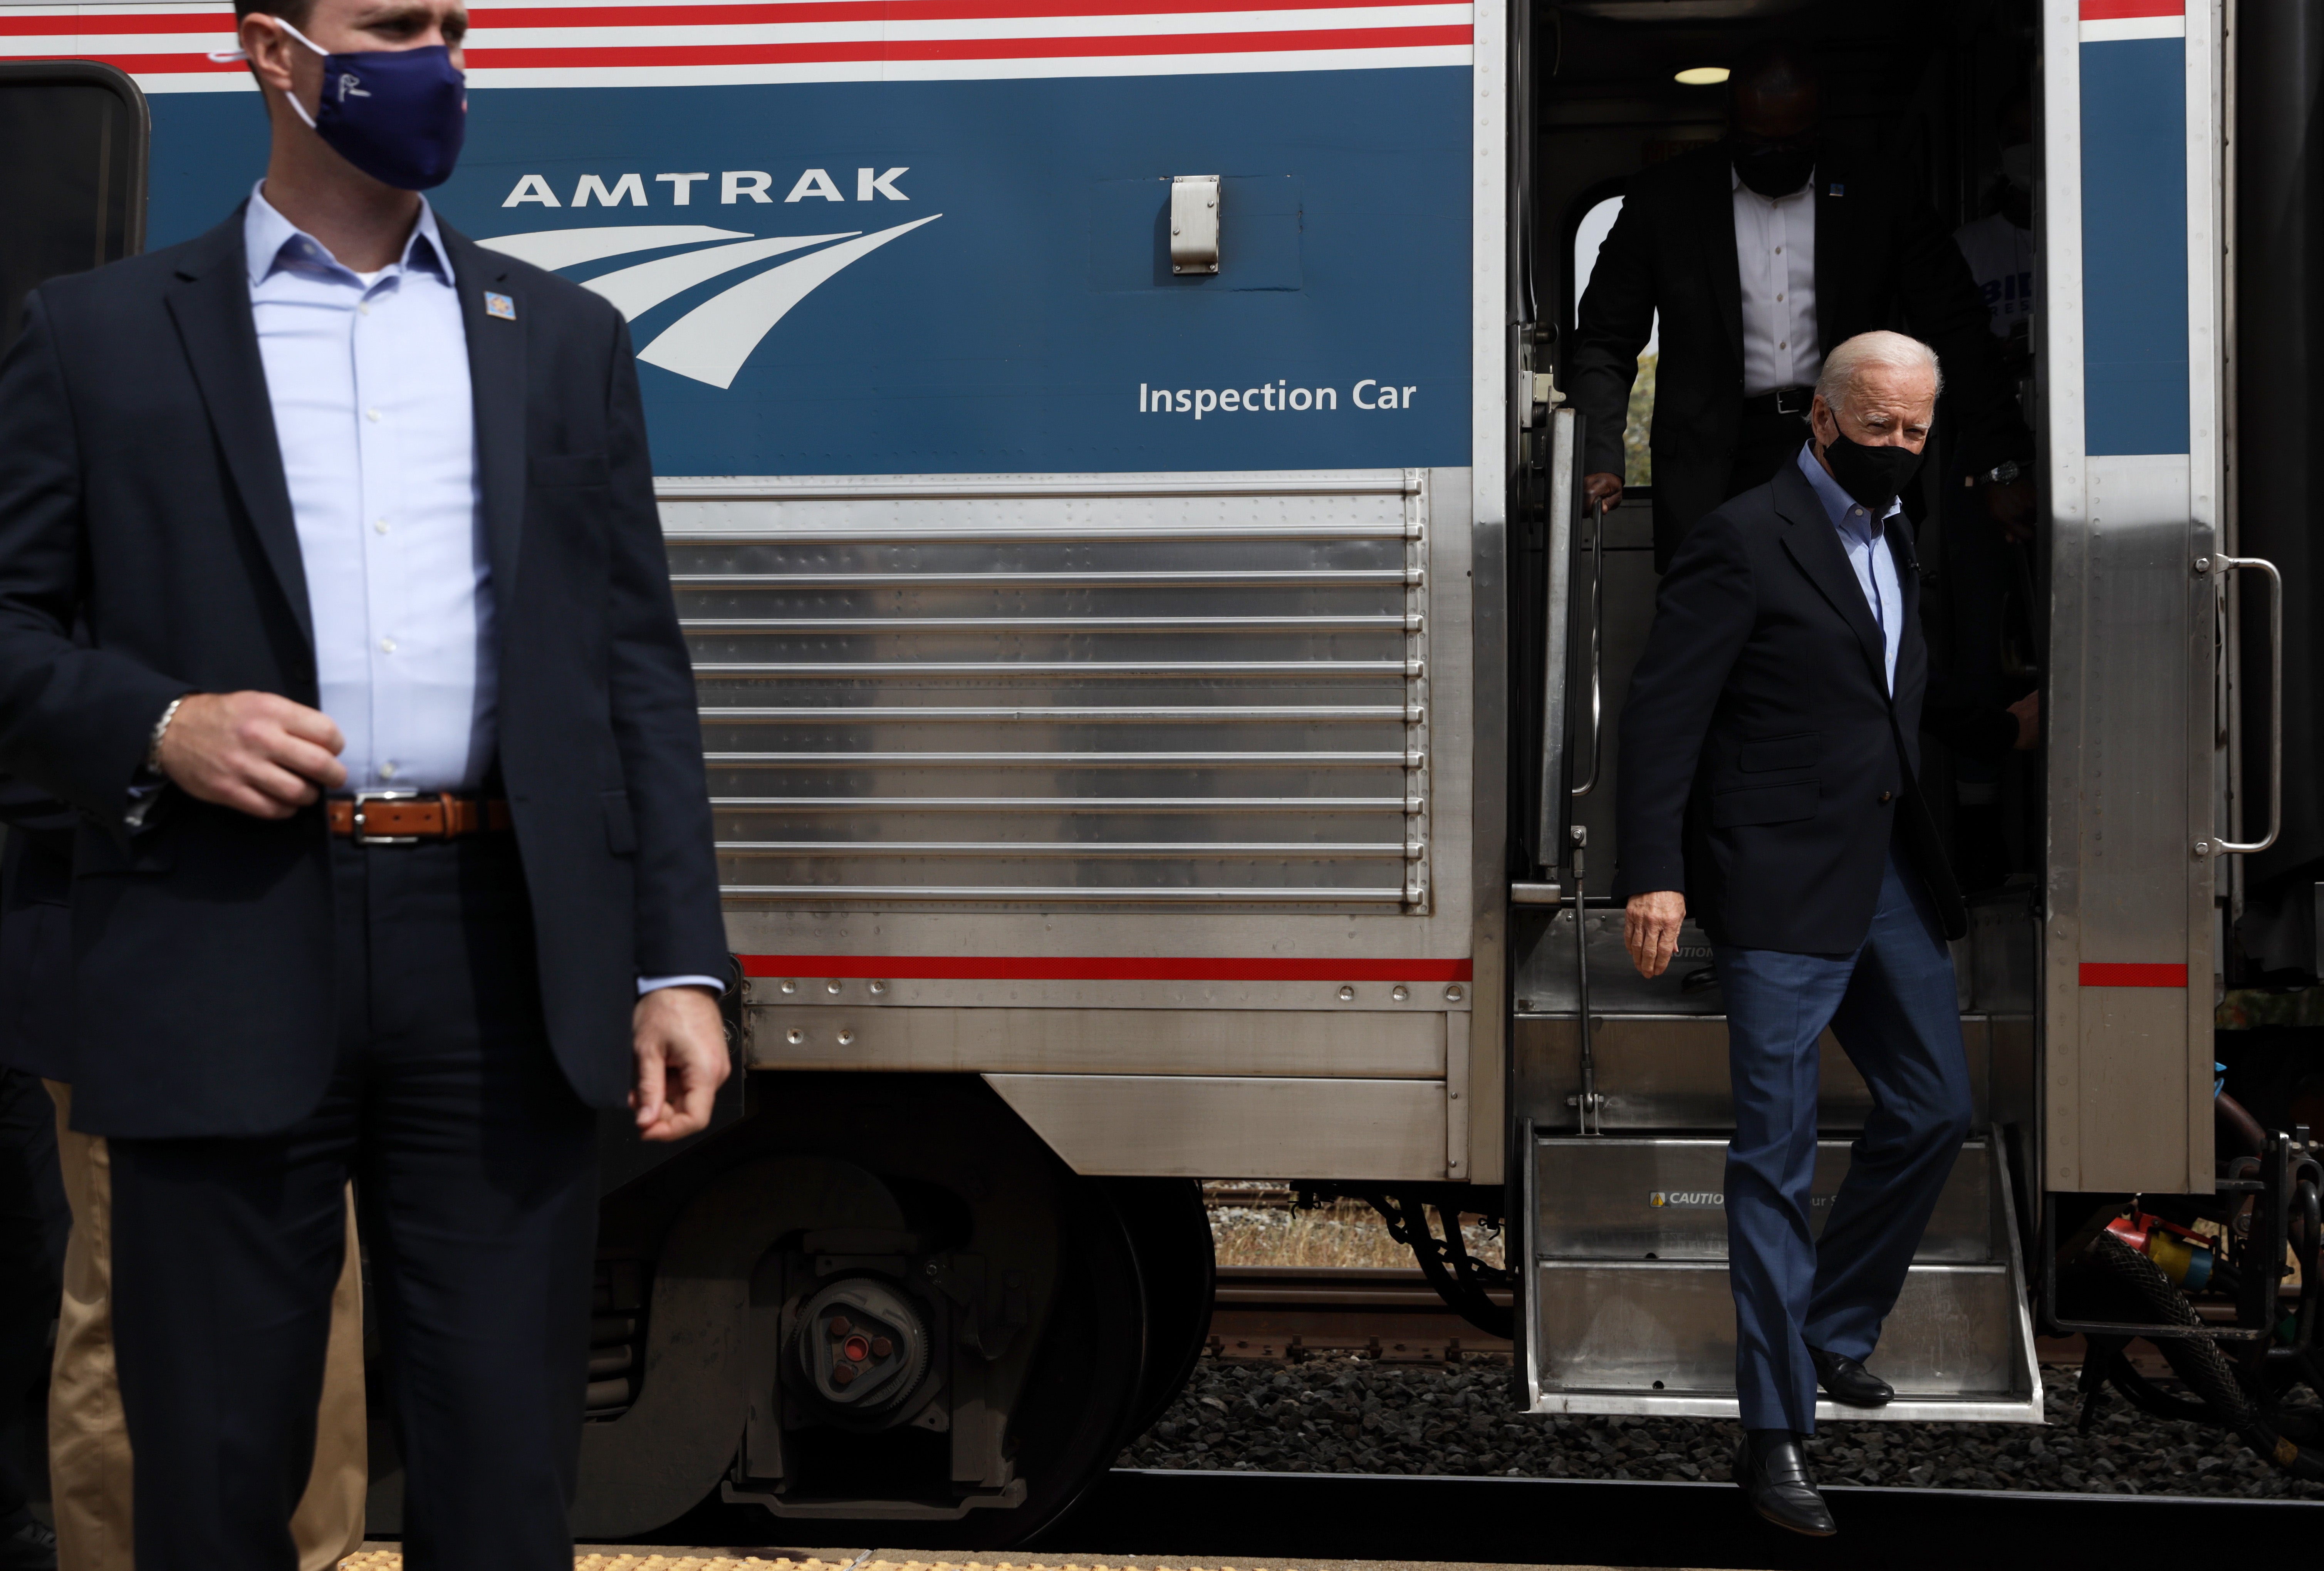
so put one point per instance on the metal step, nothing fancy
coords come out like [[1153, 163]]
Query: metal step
[[1620, 1200], [1630, 1311]]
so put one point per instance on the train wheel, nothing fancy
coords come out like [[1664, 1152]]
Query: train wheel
[[1171, 1229], [1017, 1323]]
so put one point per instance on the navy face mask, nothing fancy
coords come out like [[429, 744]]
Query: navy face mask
[[397, 114]]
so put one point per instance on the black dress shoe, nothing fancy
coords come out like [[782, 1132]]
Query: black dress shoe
[[31, 1546], [1773, 1470], [1850, 1382]]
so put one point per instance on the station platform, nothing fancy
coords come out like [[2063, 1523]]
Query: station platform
[[640, 1557]]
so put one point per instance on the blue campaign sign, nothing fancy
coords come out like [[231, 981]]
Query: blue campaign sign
[[925, 277]]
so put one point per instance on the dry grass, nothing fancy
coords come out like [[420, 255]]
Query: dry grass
[[1254, 1224]]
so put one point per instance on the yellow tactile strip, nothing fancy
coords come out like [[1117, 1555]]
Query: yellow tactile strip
[[713, 1560]]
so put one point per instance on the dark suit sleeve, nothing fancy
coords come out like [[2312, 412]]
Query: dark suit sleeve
[[1612, 326], [74, 722], [1944, 310], [656, 726], [1703, 614]]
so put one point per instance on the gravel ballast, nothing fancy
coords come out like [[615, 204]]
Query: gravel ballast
[[1351, 1415]]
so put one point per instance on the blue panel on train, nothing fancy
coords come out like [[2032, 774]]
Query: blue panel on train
[[1003, 303], [2134, 246]]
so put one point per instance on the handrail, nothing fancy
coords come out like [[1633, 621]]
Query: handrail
[[2228, 848]]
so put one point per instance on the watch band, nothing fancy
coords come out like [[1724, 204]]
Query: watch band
[[161, 730]]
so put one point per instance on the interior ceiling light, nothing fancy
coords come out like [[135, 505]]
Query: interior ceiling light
[[1702, 76]]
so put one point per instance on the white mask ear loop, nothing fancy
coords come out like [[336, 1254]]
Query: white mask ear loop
[[238, 56]]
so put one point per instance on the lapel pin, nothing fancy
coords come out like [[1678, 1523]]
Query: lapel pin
[[500, 306], [1838, 189]]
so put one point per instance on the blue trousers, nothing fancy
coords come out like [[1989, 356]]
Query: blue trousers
[[1893, 1006]]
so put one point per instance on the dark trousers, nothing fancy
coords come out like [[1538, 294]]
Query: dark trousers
[[1765, 441], [476, 1177], [1893, 1006], [33, 1224]]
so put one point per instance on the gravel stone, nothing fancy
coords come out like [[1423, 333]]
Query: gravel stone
[[1354, 1415]]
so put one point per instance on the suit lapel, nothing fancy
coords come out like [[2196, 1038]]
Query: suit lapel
[[1718, 247], [496, 377], [1814, 543], [209, 302], [1832, 241]]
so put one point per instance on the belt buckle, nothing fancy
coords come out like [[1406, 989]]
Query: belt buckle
[[1783, 396], [364, 838]]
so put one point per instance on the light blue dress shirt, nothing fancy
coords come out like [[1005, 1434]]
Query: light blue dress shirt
[[369, 381], [1867, 545], [375, 420]]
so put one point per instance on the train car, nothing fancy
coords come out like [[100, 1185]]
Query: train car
[[1158, 672]]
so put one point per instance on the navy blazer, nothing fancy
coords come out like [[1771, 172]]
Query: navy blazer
[[142, 500], [1765, 768]]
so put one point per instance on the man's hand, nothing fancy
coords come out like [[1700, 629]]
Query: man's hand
[[681, 1061], [1650, 924], [2028, 711], [258, 753], [1604, 491]]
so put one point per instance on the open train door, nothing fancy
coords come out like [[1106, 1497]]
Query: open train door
[[2131, 209], [73, 137]]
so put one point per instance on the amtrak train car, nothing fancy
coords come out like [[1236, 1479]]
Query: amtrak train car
[[1157, 676]]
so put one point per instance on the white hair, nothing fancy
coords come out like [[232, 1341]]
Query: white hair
[[1846, 363]]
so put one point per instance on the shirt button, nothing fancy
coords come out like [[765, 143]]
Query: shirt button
[[363, 310], [1779, 250], [387, 645], [387, 770], [1885, 795], [379, 525], [372, 415], [1779, 297]]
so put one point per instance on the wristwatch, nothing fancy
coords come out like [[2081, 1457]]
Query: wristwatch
[[2002, 473]]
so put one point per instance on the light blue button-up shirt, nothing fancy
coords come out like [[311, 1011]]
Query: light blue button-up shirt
[[368, 378], [1867, 545], [369, 381]]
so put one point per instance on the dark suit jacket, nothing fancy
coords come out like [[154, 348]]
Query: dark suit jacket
[[1765, 767], [1882, 260], [142, 495]]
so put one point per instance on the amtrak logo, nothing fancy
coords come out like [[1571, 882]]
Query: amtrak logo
[[709, 343]]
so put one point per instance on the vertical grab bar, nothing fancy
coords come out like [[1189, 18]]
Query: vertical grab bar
[[1597, 637], [1586, 1119], [2226, 564]]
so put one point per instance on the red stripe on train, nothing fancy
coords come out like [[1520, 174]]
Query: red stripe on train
[[873, 50], [745, 15], [1104, 969], [2118, 974], [2126, 10], [966, 48]]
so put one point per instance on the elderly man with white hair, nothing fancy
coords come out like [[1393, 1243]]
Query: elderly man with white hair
[[1770, 783]]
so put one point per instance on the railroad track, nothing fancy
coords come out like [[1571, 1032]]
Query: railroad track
[[1282, 1314]]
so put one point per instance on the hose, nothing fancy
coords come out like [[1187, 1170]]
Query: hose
[[2196, 1360]]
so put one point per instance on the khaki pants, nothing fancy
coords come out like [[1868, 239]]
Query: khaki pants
[[88, 1444]]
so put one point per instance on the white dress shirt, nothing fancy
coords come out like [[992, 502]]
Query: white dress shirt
[[1774, 250], [1867, 545], [368, 378]]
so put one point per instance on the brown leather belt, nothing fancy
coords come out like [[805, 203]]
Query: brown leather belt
[[397, 818]]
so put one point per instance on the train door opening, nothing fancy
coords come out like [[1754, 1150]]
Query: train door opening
[[1621, 1084]]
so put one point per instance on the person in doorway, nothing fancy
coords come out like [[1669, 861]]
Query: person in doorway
[[1760, 252], [333, 601], [1769, 764]]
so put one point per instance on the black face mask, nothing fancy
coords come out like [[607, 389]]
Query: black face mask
[[1773, 169], [1874, 476]]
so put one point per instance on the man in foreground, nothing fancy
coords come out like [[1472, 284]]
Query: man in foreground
[[1769, 761], [394, 851]]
